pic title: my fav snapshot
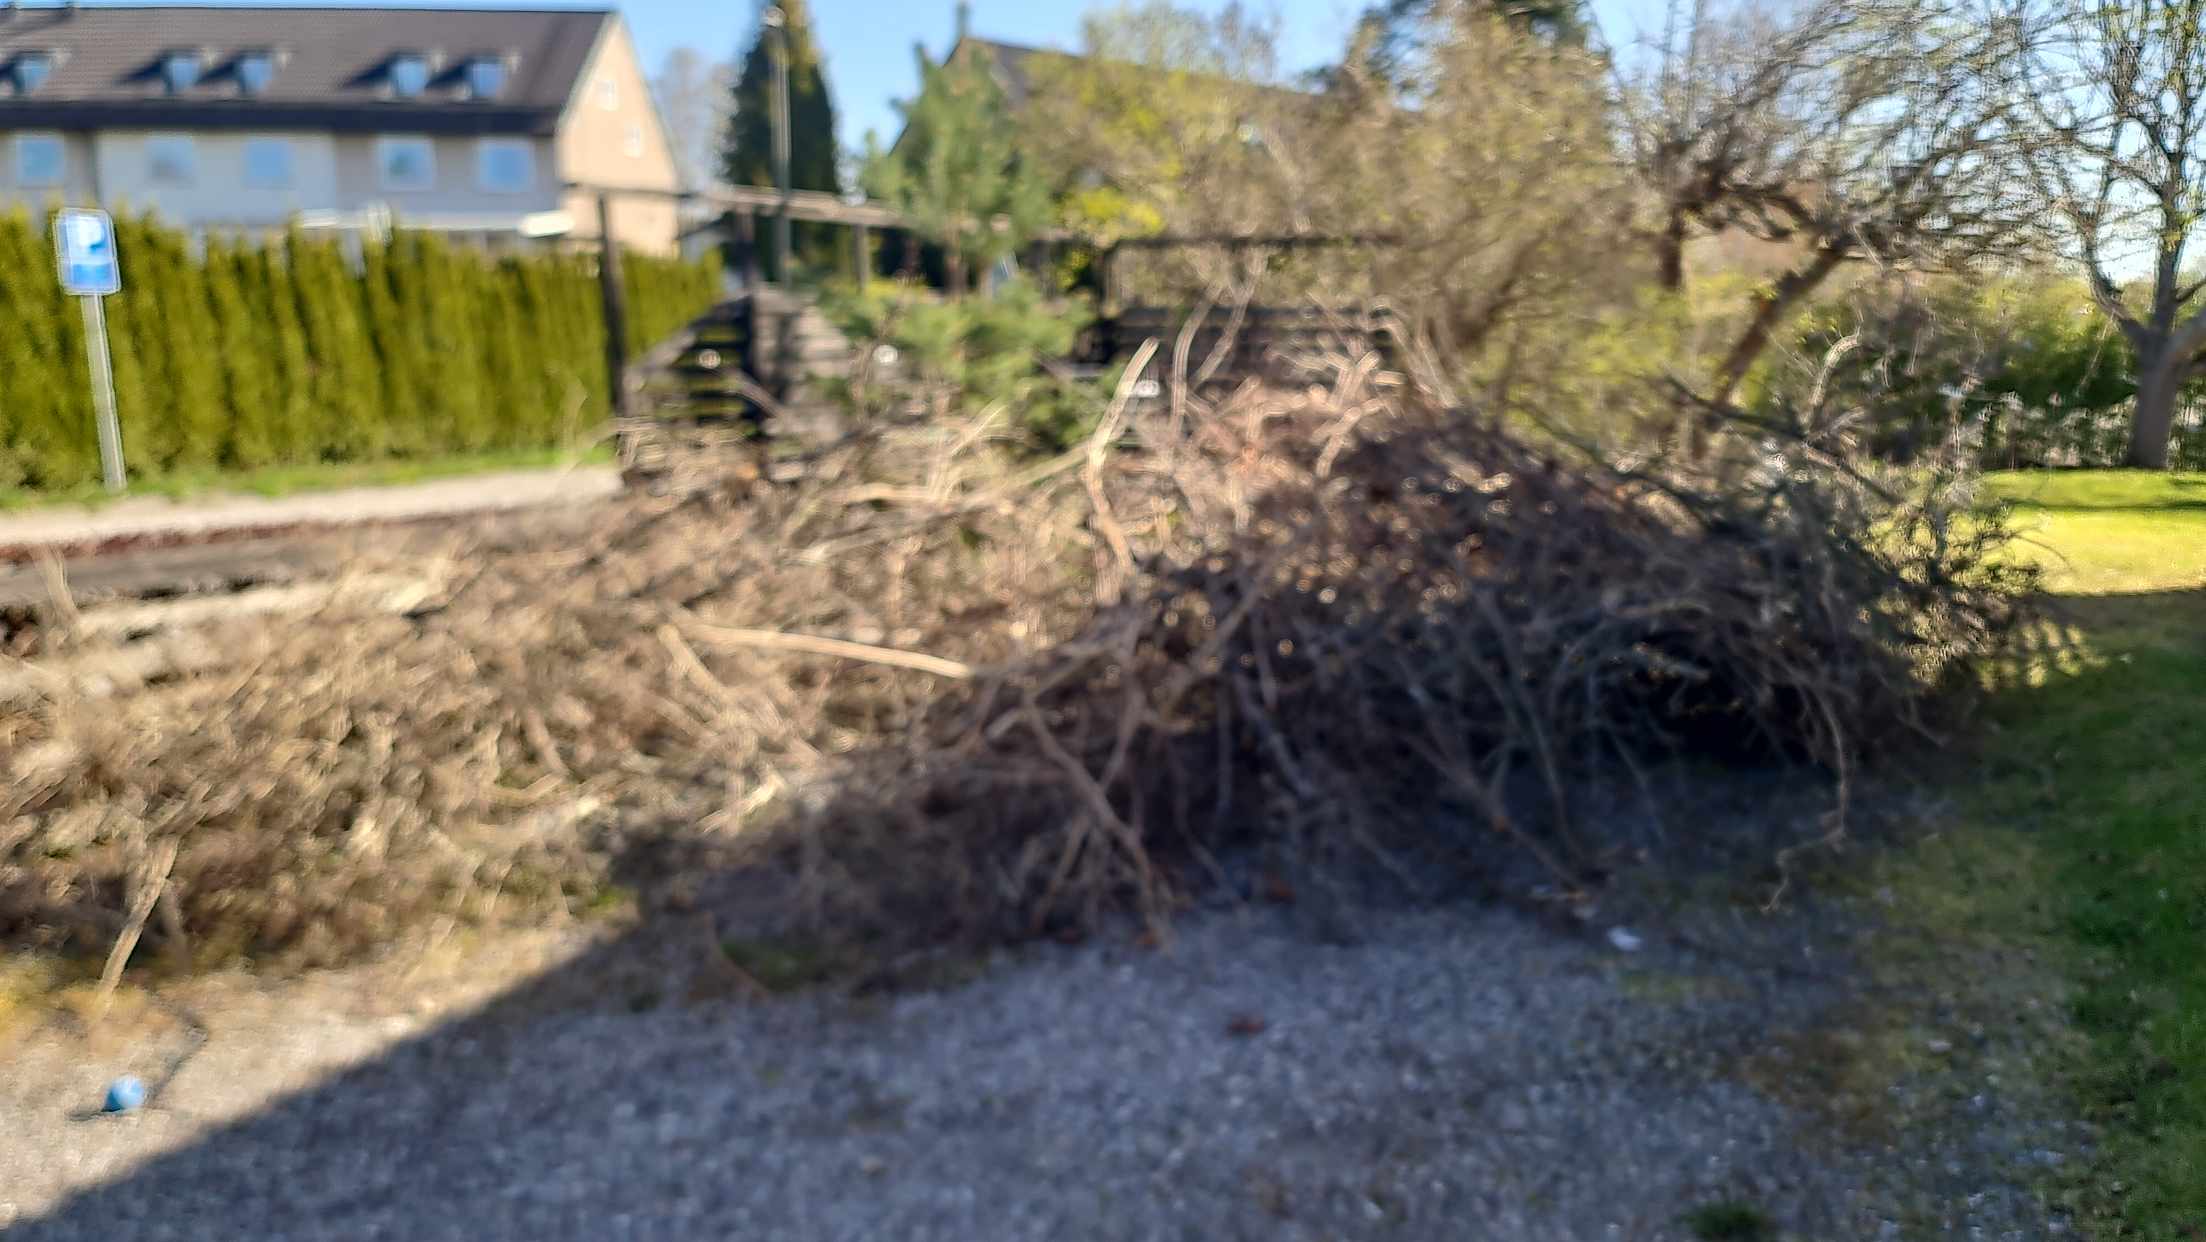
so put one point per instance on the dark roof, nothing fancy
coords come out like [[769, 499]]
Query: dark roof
[[331, 66], [1013, 65]]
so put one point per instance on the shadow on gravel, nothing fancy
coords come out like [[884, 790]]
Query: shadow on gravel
[[1285, 1071]]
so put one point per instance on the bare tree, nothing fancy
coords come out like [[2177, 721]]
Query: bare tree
[[692, 93], [1843, 130], [2120, 153], [1720, 120]]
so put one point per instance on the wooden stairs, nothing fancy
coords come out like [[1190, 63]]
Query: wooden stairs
[[755, 378]]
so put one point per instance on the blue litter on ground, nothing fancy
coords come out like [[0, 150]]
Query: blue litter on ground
[[124, 1094]]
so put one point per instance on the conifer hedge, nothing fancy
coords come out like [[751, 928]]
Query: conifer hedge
[[244, 355]]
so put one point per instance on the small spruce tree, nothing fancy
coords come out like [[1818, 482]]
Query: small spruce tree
[[957, 173]]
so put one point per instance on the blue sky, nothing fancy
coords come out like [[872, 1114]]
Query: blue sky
[[868, 43]]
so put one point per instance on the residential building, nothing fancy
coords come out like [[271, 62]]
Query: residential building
[[490, 123]]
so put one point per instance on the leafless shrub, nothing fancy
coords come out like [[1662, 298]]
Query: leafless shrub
[[1837, 132]]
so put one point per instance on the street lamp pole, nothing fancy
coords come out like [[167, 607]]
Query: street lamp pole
[[778, 23]]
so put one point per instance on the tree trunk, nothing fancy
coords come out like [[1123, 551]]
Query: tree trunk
[[953, 271], [2159, 382], [1771, 306], [1670, 254]]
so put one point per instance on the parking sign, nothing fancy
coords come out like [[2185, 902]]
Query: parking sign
[[84, 238]]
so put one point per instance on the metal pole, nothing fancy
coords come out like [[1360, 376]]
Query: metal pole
[[614, 297], [780, 23], [103, 392]]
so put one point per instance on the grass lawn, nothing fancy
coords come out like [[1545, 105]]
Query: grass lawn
[[2101, 767], [320, 477]]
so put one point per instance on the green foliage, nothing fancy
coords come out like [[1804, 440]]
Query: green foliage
[[747, 149], [249, 357], [1617, 354], [45, 408], [2026, 364], [2093, 761], [1159, 120], [957, 172], [975, 353]]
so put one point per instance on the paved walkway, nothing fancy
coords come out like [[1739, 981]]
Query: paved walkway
[[159, 518]]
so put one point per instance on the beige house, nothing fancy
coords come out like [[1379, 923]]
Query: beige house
[[498, 124]]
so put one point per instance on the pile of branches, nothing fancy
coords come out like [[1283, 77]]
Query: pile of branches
[[936, 691], [497, 722], [1414, 634]]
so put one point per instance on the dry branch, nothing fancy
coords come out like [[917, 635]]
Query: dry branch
[[810, 644], [151, 885]]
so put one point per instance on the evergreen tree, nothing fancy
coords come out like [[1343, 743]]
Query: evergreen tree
[[957, 173], [341, 385], [135, 339], [385, 283], [45, 412], [1392, 32], [507, 357], [248, 402], [249, 355], [747, 152], [276, 304], [195, 397]]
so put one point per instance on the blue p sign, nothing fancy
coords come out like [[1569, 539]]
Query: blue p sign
[[84, 238]]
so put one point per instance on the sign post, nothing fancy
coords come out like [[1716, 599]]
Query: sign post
[[84, 242]]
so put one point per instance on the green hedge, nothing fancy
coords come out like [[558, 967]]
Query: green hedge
[[249, 355]]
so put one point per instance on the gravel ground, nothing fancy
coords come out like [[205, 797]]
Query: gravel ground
[[156, 518], [1457, 1073]]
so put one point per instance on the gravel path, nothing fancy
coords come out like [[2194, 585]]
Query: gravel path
[[157, 518], [1453, 1074]]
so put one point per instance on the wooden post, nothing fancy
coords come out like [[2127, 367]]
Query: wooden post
[[746, 235], [911, 254], [1110, 281], [615, 300], [862, 246]]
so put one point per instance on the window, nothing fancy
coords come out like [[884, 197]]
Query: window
[[406, 163], [632, 141], [505, 165], [180, 70], [486, 77], [30, 70], [39, 160], [608, 94], [268, 163], [255, 70], [171, 159], [409, 75]]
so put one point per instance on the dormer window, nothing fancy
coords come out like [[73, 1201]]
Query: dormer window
[[255, 70], [180, 71], [29, 71], [409, 75], [486, 77]]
